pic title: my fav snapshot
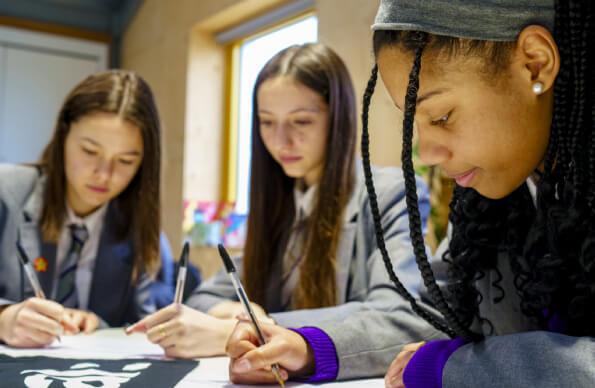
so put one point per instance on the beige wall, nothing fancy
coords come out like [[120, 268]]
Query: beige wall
[[158, 45], [170, 43], [344, 25]]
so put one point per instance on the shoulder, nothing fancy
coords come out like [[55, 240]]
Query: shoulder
[[17, 182], [389, 184]]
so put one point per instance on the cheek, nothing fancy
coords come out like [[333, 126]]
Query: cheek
[[123, 176], [315, 142], [266, 139], [77, 165]]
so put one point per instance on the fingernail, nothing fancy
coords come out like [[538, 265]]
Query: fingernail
[[283, 374], [243, 366]]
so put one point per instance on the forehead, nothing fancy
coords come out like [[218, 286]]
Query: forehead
[[437, 72], [282, 93], [108, 130]]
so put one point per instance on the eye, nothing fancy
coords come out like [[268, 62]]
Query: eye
[[442, 120], [89, 151], [126, 162], [302, 122], [266, 123]]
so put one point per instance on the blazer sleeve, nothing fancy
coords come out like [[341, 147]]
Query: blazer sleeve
[[530, 359], [143, 298], [163, 288], [214, 290], [368, 341], [380, 293]]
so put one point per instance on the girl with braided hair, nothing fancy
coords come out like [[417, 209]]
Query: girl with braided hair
[[505, 107], [502, 96]]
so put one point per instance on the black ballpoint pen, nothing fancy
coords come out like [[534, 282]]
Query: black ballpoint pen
[[237, 285]]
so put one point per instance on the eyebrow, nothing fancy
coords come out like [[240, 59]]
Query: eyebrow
[[131, 153], [426, 96]]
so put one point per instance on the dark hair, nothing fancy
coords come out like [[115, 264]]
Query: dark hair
[[272, 207], [552, 246], [126, 94]]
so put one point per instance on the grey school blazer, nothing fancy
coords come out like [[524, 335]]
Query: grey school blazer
[[111, 297], [516, 353], [371, 321]]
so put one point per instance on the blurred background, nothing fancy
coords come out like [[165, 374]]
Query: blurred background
[[201, 58]]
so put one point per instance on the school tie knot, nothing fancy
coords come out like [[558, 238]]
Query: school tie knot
[[79, 235]]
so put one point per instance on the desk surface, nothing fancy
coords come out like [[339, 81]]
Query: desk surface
[[114, 344]]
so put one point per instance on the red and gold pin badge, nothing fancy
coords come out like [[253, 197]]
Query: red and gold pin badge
[[40, 264]]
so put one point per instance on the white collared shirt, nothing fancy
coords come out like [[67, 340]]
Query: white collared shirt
[[293, 256], [84, 272]]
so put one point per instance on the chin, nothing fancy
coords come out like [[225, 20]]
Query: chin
[[293, 173]]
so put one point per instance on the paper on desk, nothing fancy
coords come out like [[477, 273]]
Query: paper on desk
[[109, 344], [114, 344]]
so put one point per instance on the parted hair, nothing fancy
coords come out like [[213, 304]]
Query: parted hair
[[137, 208]]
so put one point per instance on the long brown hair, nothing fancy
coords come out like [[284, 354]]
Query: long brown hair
[[126, 94], [272, 207]]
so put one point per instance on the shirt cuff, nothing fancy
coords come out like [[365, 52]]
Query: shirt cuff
[[326, 362], [425, 368]]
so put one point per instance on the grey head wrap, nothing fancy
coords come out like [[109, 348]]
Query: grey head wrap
[[498, 20]]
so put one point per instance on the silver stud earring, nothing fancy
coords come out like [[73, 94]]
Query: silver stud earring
[[537, 88]]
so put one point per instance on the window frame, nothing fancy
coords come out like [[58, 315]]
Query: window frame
[[231, 109]]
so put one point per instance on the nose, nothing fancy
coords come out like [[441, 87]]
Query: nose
[[432, 151], [104, 170], [282, 136]]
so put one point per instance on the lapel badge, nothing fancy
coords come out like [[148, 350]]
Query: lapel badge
[[40, 264]]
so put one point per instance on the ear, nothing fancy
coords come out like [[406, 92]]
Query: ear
[[538, 56]]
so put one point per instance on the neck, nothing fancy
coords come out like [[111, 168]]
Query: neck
[[79, 208]]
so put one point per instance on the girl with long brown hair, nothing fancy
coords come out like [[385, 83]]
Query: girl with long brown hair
[[310, 254], [87, 216]]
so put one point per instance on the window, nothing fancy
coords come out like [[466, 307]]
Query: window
[[250, 56]]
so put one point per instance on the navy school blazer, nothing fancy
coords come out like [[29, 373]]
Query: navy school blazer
[[112, 295]]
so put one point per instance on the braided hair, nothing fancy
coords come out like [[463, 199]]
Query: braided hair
[[552, 245]]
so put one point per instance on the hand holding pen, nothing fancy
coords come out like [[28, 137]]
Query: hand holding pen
[[181, 331], [231, 271], [36, 321], [172, 310]]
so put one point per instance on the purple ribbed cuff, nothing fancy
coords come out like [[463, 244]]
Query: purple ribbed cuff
[[326, 362], [424, 370], [555, 322]]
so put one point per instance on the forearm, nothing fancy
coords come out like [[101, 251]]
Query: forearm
[[532, 359], [211, 292], [367, 343], [314, 317]]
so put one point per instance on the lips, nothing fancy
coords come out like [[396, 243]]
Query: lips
[[289, 159], [464, 179], [98, 189]]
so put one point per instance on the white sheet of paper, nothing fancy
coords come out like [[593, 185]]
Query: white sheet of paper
[[115, 344]]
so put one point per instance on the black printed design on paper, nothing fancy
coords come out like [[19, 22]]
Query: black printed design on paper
[[44, 372]]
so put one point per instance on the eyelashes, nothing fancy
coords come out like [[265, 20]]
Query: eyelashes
[[442, 121], [92, 153]]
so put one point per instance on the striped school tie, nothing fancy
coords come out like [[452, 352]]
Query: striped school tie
[[67, 295]]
